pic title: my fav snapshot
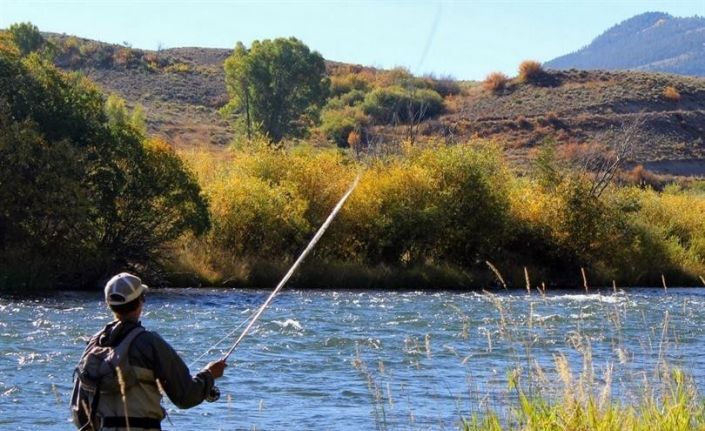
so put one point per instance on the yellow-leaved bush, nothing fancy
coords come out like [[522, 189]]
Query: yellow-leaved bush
[[437, 205]]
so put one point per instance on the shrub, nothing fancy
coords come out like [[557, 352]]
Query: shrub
[[123, 56], [353, 97], [396, 104], [337, 124], [354, 140], [671, 93], [444, 85], [642, 177], [178, 68], [530, 71], [341, 84], [399, 76], [495, 82]]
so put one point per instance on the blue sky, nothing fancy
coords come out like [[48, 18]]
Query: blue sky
[[463, 39]]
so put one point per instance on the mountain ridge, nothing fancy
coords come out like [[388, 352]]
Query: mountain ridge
[[652, 41]]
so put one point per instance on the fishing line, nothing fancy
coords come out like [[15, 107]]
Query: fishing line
[[228, 335], [295, 266]]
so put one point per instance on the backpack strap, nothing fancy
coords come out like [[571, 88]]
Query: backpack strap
[[122, 349]]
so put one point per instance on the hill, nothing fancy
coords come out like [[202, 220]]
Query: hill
[[182, 89], [590, 107], [652, 41]]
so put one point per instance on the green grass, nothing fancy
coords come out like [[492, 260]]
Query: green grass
[[679, 408]]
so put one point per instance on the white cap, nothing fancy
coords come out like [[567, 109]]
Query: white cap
[[123, 288]]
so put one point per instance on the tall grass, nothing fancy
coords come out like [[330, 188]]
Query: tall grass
[[667, 400], [635, 389]]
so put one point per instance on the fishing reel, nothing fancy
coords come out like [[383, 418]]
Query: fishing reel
[[213, 395]]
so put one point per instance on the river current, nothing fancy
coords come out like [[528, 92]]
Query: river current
[[359, 360]]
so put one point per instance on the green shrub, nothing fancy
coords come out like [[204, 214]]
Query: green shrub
[[353, 97], [338, 124], [396, 104], [341, 84]]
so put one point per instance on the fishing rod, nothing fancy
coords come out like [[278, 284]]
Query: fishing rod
[[295, 266]]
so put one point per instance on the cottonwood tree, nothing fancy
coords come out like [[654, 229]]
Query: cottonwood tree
[[277, 87]]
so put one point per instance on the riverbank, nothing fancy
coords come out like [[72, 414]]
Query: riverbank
[[433, 216], [317, 275]]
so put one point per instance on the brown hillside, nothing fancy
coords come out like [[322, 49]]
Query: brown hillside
[[579, 106], [182, 89]]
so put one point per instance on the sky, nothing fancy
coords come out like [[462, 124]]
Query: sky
[[459, 39]]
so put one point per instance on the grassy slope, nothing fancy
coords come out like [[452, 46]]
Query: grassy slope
[[570, 106]]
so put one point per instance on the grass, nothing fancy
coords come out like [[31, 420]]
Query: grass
[[554, 397], [679, 408], [667, 399]]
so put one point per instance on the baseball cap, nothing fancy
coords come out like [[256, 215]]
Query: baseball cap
[[123, 288]]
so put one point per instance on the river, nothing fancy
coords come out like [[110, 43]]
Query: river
[[358, 360]]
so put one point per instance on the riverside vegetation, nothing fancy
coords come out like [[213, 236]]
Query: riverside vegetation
[[87, 191]]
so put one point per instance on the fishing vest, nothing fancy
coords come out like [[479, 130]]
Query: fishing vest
[[143, 401], [124, 390]]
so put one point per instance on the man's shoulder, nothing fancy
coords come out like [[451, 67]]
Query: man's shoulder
[[151, 338]]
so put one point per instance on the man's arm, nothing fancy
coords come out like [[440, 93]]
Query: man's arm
[[183, 390]]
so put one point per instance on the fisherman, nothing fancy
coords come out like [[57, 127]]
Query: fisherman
[[151, 360]]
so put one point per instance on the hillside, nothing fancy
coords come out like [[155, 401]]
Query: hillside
[[595, 107], [652, 41], [182, 89]]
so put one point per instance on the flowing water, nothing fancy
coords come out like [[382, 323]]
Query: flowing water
[[352, 360]]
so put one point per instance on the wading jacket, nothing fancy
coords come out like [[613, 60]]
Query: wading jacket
[[151, 359]]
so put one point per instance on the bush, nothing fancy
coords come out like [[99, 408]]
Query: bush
[[395, 104], [671, 93], [338, 124], [445, 85], [115, 201], [495, 82], [352, 98], [530, 71], [341, 84]]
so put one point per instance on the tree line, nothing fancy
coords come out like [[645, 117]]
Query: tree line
[[83, 190]]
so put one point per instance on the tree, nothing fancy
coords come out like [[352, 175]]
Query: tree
[[26, 37], [278, 86], [82, 193]]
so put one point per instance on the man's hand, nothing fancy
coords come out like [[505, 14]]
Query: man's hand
[[216, 368]]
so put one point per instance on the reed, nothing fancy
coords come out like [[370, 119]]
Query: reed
[[123, 391], [497, 273], [584, 402], [570, 392]]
